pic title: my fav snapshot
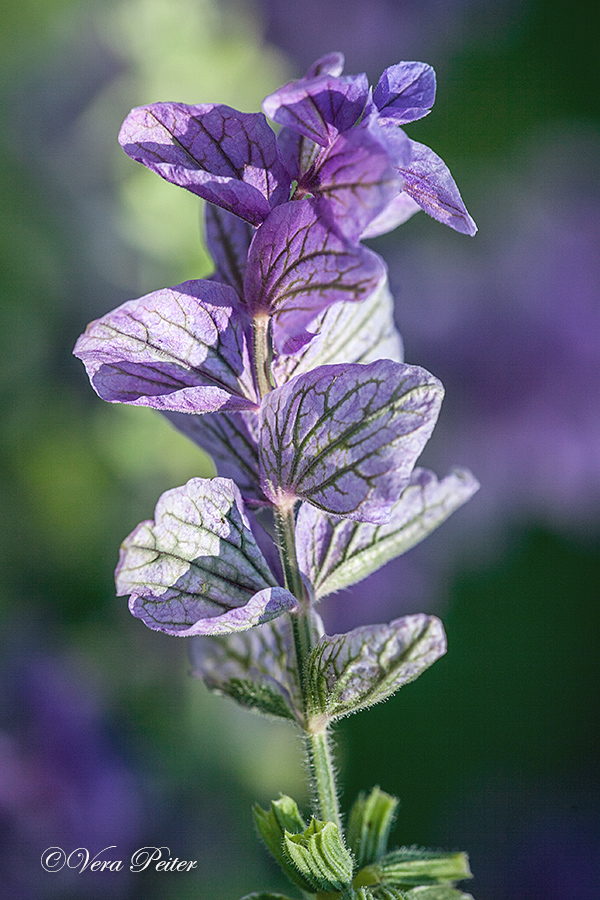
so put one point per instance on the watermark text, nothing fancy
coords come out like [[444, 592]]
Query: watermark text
[[54, 859]]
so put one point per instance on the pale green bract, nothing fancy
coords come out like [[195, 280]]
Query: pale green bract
[[436, 892], [320, 856], [347, 333], [283, 817], [349, 672], [412, 866], [335, 553], [369, 824], [255, 668]]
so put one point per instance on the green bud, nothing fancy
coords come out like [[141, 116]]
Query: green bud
[[369, 825], [363, 894], [273, 824], [320, 857]]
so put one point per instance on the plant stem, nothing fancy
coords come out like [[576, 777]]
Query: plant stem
[[316, 740], [262, 353], [286, 530], [318, 751]]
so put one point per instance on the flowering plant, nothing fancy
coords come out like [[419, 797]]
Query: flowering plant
[[286, 366]]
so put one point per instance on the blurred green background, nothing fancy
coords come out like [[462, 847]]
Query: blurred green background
[[104, 739]]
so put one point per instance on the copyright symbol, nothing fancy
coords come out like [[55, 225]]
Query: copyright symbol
[[53, 859]]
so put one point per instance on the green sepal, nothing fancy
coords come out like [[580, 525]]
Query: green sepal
[[439, 892], [369, 824], [320, 857], [283, 818], [412, 866]]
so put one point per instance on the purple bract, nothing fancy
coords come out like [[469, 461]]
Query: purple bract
[[182, 349], [347, 437], [196, 569]]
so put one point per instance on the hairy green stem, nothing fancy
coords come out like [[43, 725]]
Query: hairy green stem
[[318, 751], [316, 740]]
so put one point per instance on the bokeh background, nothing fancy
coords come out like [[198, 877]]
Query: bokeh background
[[104, 737]]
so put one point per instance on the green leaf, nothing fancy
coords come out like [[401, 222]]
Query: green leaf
[[411, 866], [350, 672], [258, 696], [273, 824], [320, 856], [441, 892], [369, 825]]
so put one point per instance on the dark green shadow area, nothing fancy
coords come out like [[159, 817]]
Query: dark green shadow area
[[514, 699]]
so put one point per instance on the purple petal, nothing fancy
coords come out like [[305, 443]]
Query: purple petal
[[405, 92], [428, 181], [232, 441], [356, 178], [196, 569], [298, 265], [319, 108], [330, 64], [228, 238], [182, 349], [218, 153], [297, 342], [297, 152], [346, 437], [336, 553], [401, 208], [347, 333]]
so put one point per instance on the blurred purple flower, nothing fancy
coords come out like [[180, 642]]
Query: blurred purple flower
[[372, 30], [513, 330], [532, 838]]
